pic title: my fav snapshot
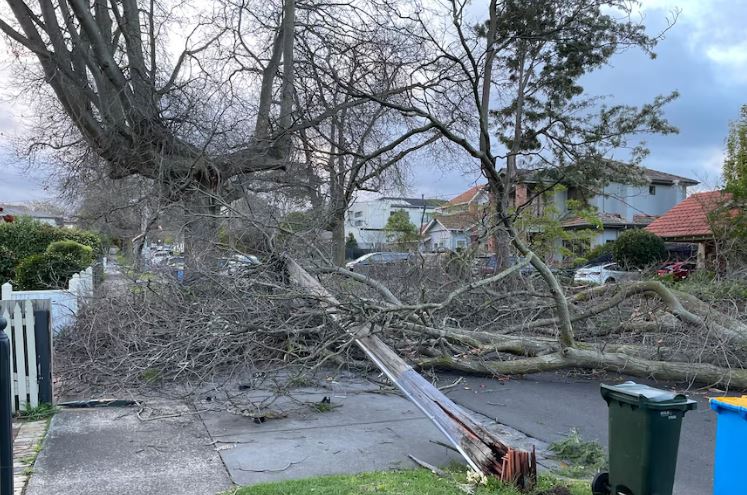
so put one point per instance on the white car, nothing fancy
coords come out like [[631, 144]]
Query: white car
[[159, 257], [607, 273], [378, 259]]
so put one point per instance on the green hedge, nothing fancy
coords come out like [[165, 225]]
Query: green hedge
[[27, 237], [638, 249], [46, 271], [75, 250]]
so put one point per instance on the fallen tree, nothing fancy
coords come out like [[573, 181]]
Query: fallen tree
[[484, 452], [279, 318]]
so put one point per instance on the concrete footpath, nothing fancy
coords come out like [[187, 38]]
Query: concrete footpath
[[109, 450], [237, 436], [243, 436]]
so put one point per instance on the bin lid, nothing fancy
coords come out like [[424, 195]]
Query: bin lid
[[738, 404], [635, 393]]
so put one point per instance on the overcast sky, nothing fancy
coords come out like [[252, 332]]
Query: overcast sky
[[703, 57]]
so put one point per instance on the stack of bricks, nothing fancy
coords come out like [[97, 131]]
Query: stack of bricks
[[29, 435]]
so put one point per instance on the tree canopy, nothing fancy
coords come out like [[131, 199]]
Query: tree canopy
[[400, 230], [735, 161]]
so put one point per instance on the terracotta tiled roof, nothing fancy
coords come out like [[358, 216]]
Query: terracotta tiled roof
[[467, 195], [689, 219]]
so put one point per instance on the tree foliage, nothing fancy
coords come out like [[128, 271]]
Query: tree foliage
[[47, 271], [26, 237], [729, 219], [545, 230], [399, 230], [83, 254], [735, 161], [351, 242], [636, 249]]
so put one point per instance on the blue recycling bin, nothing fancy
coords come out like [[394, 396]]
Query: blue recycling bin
[[730, 469]]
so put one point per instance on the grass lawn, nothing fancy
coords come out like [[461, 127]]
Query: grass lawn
[[411, 482]]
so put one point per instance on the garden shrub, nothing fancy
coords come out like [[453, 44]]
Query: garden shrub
[[85, 237], [636, 249], [26, 237], [7, 264], [599, 251], [46, 271], [76, 250]]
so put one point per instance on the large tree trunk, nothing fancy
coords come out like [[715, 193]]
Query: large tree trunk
[[201, 231], [338, 238]]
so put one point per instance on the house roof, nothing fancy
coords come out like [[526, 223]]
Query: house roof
[[28, 211], [467, 195], [529, 175], [666, 178], [689, 218], [416, 202], [610, 220], [457, 221]]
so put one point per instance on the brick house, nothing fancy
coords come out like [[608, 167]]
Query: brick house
[[690, 222]]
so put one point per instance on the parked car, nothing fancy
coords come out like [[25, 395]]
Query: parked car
[[490, 264], [678, 271], [159, 257], [378, 259], [247, 259], [237, 264], [607, 273], [175, 262]]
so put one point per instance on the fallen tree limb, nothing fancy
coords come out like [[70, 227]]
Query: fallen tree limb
[[591, 359], [483, 451], [685, 307]]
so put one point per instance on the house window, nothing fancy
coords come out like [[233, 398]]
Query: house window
[[652, 190], [358, 214], [461, 243], [358, 223]]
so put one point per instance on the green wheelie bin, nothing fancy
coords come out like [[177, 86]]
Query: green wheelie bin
[[644, 436]]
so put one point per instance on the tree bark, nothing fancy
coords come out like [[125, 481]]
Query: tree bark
[[201, 231], [592, 359], [338, 239]]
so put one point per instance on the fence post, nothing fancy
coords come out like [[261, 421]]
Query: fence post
[[73, 286], [7, 291], [6, 428], [88, 276]]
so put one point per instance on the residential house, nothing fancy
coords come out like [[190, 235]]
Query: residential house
[[367, 220], [38, 214], [622, 206], [690, 221], [452, 232], [618, 206]]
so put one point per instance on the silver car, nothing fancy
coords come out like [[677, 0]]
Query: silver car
[[607, 273]]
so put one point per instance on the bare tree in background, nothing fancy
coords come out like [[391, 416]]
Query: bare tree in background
[[364, 145], [468, 65]]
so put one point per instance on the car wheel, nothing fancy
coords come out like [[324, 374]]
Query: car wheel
[[610, 280]]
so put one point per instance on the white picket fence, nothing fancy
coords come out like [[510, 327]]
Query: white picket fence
[[24, 383], [65, 303]]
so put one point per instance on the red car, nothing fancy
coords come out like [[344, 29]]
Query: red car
[[678, 271]]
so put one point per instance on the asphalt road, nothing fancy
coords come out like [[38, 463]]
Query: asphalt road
[[547, 406]]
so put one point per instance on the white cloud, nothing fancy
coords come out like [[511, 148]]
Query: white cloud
[[715, 30]]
